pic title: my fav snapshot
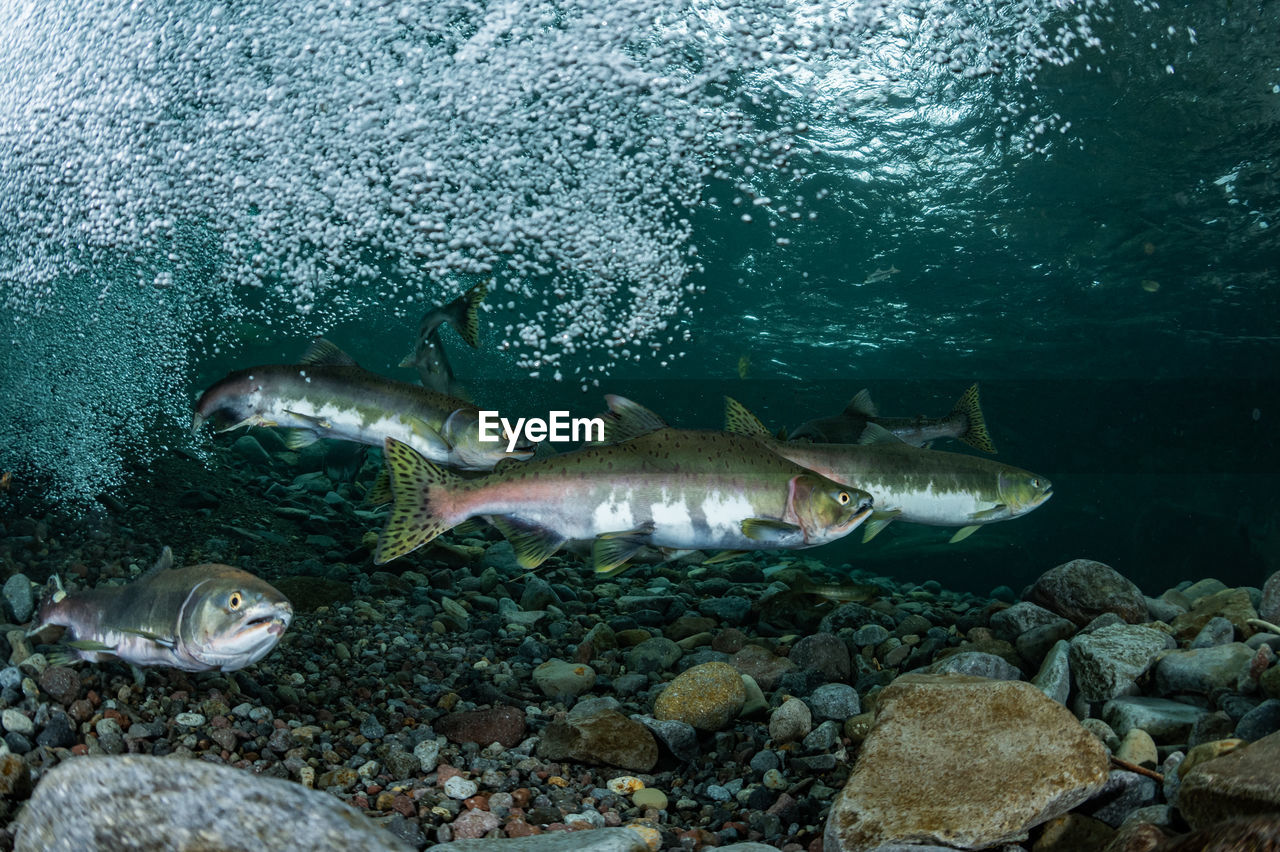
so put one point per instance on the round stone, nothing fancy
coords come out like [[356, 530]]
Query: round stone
[[707, 696], [649, 797]]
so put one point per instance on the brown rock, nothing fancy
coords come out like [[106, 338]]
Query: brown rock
[[1242, 783], [688, 625], [498, 724], [15, 777], [1232, 604], [1081, 590], [1242, 834], [602, 737], [708, 697], [963, 761], [764, 666], [61, 684], [1073, 832]]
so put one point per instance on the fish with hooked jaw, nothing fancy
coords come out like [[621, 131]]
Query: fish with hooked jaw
[[328, 395], [964, 423], [649, 486], [909, 483], [198, 618]]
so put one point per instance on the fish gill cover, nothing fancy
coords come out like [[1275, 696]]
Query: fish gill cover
[[172, 173]]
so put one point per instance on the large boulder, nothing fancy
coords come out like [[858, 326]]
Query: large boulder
[[1242, 783], [139, 802], [965, 762], [1081, 590]]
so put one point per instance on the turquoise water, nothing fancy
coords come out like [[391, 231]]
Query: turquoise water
[[1089, 231]]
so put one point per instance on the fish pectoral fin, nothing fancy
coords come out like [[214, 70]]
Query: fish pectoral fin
[[471, 526], [768, 530], [723, 556], [251, 420], [407, 361], [611, 551], [533, 544], [739, 421], [296, 439], [874, 433], [316, 422], [322, 351], [878, 521], [64, 658], [989, 514], [861, 405], [964, 532], [162, 641]]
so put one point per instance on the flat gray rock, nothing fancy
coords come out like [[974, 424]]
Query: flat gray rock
[[139, 803]]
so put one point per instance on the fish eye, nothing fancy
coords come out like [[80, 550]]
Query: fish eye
[[843, 498], [234, 601]]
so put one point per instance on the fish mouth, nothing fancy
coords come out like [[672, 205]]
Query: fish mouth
[[859, 516]]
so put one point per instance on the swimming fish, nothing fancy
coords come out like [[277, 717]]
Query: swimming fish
[[881, 274], [965, 423], [328, 395], [428, 355], [910, 483], [658, 487], [198, 618]]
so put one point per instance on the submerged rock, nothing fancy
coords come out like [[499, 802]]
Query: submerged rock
[[1244, 782], [144, 802], [1106, 662], [600, 736], [707, 696], [924, 774], [1081, 590]]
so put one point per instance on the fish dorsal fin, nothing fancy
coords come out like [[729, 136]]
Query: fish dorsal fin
[[164, 563], [874, 433], [861, 405], [470, 326], [739, 421], [322, 352], [628, 420]]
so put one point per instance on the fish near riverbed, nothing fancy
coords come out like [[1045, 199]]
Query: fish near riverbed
[[198, 618], [910, 483], [328, 395], [965, 423], [665, 488]]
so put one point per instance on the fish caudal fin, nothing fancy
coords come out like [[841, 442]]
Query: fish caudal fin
[[416, 487], [379, 492], [976, 435], [469, 327]]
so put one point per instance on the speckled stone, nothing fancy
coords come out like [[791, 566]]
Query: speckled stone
[[707, 696], [1234, 605], [1106, 662], [1082, 589], [792, 721], [158, 803]]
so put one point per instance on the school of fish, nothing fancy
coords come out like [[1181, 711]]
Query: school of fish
[[647, 490]]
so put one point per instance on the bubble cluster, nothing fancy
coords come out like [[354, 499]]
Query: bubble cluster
[[304, 161]]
